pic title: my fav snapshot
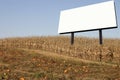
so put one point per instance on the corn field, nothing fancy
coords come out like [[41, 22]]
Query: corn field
[[83, 48]]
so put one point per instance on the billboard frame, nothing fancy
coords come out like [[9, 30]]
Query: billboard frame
[[100, 29]]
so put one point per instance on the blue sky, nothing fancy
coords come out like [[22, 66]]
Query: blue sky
[[19, 18]]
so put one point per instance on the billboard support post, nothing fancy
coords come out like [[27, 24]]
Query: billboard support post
[[101, 42], [100, 37], [72, 38]]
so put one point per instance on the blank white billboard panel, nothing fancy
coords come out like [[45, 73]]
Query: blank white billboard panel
[[91, 17]]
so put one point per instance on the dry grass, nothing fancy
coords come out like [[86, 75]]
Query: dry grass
[[19, 64]]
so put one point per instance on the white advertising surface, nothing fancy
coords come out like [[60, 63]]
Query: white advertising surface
[[91, 17]]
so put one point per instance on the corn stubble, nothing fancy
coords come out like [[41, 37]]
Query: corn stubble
[[84, 48]]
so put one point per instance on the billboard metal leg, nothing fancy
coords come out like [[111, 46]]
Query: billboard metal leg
[[72, 38], [100, 37], [101, 42]]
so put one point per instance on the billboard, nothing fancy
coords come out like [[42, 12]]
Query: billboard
[[91, 17]]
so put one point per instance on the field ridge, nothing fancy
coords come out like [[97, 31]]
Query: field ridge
[[55, 55]]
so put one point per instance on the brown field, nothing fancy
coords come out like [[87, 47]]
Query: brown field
[[53, 58]]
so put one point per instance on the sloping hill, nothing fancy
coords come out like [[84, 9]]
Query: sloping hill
[[53, 58]]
